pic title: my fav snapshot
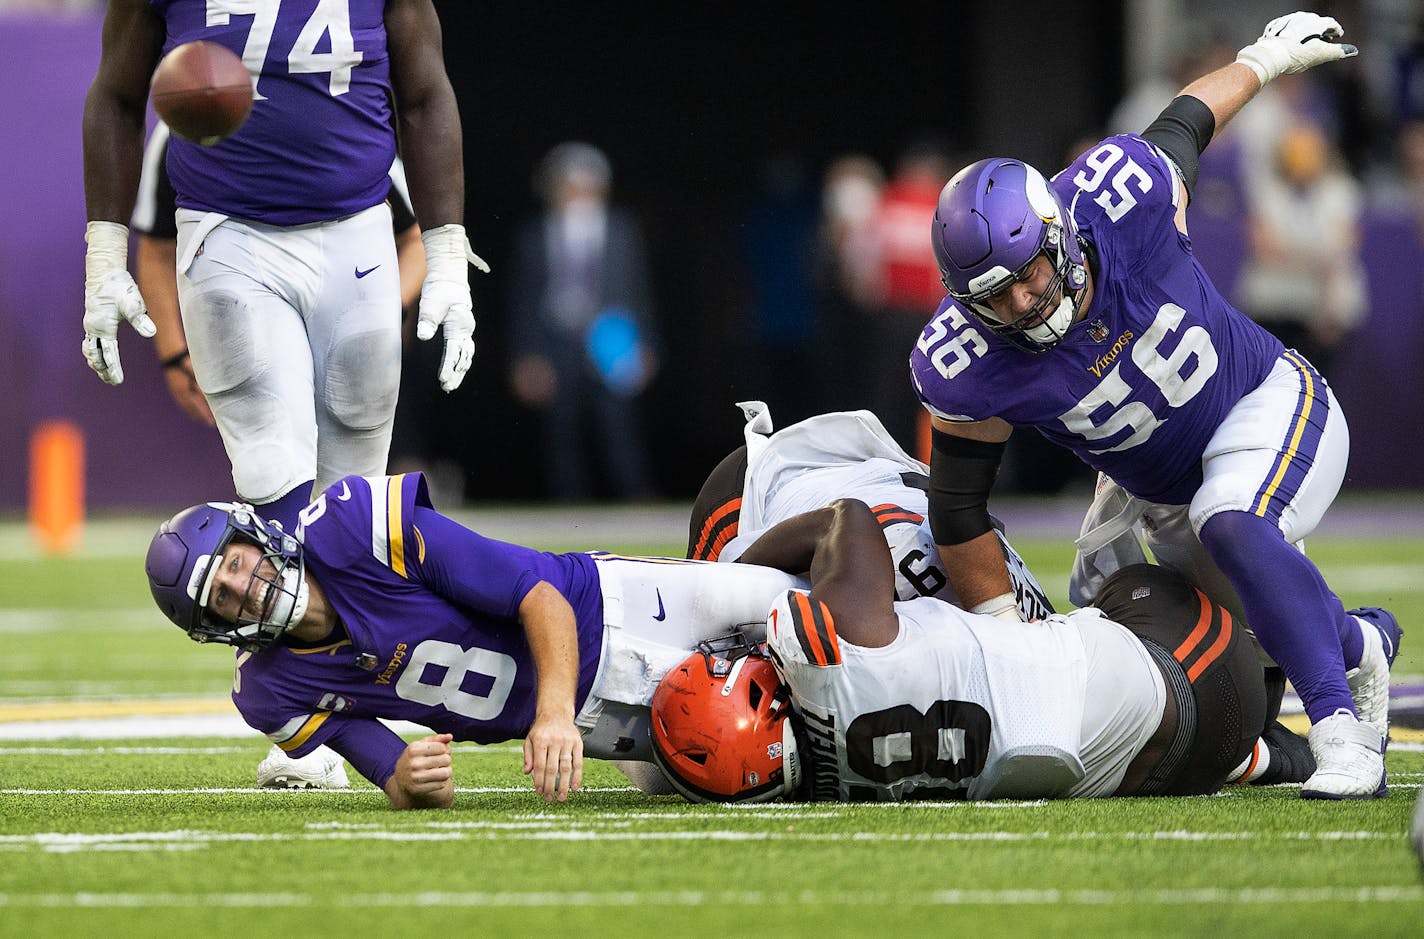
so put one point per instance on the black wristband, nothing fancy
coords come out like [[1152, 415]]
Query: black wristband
[[175, 360]]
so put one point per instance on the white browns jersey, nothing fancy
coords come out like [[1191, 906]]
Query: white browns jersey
[[810, 464], [966, 706]]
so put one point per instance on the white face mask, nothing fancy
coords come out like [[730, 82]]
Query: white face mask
[[291, 603], [1055, 324]]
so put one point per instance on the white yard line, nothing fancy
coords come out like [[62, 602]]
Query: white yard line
[[578, 830], [759, 899]]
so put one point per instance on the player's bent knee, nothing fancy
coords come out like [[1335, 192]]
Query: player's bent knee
[[363, 379]]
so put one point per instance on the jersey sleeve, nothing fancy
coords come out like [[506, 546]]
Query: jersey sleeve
[[801, 633], [471, 570], [944, 370], [267, 703], [366, 516], [1124, 194]]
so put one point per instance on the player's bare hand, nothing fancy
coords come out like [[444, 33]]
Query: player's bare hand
[[183, 386], [553, 756], [423, 773]]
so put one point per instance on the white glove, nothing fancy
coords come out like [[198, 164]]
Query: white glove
[[1004, 607], [110, 294], [1294, 43], [445, 300]]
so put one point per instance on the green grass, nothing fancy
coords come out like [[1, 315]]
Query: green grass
[[153, 836]]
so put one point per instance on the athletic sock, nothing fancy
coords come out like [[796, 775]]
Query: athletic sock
[[285, 509]]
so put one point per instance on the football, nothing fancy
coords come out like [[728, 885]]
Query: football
[[202, 91]]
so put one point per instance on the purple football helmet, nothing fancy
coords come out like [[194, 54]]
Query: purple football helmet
[[182, 560], [993, 219]]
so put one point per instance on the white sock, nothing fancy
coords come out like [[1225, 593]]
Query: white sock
[[1254, 766]]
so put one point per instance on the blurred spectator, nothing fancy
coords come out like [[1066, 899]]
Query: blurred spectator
[[905, 283], [1398, 187], [1303, 279], [584, 341], [851, 190], [1146, 99], [782, 350]]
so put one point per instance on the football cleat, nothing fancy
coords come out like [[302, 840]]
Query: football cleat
[[320, 769], [1369, 681], [1349, 759]]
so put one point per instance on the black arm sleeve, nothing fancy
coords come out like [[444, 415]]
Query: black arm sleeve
[[1182, 131], [962, 471]]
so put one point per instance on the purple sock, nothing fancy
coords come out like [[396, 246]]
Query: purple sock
[[286, 508], [1297, 619]]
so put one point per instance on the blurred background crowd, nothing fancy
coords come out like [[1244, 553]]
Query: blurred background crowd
[[691, 205]]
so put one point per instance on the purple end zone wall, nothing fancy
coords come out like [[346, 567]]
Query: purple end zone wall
[[144, 453]]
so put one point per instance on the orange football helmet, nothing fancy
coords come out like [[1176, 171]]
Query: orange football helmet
[[720, 728]]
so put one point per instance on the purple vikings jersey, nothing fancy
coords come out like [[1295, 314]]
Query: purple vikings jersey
[[1139, 385], [319, 140], [429, 629]]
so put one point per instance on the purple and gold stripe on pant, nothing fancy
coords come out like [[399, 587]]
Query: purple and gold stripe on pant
[[1301, 442]]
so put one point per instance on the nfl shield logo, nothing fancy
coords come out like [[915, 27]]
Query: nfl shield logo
[[1097, 330]]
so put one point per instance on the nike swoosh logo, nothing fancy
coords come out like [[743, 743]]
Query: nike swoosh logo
[[345, 492], [360, 273], [662, 614]]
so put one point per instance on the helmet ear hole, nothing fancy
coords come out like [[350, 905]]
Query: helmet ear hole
[[754, 695]]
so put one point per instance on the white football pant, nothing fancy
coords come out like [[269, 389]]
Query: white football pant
[[295, 339]]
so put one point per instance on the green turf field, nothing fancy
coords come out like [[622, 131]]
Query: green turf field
[[166, 835]]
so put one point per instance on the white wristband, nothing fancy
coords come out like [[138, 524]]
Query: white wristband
[[447, 251], [1004, 607], [1248, 58], [108, 251]]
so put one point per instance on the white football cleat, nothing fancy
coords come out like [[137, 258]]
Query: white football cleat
[[1349, 759], [1369, 681], [320, 769]]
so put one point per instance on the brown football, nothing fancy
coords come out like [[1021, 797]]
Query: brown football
[[202, 91]]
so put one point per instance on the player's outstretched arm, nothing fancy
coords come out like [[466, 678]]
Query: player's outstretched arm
[[423, 778], [553, 748], [114, 113], [433, 151]]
